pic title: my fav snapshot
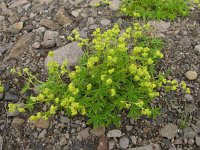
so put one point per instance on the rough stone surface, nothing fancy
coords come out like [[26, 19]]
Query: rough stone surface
[[62, 17], [197, 141], [191, 75], [94, 2], [124, 142], [1, 142], [63, 141], [21, 46], [17, 122], [11, 97], [84, 134], [169, 131], [70, 52], [189, 133], [43, 124], [98, 131], [146, 147], [114, 5], [114, 133], [197, 48], [18, 3], [64, 119], [42, 134], [49, 24]]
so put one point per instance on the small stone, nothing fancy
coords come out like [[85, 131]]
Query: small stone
[[134, 140], [50, 24], [114, 5], [197, 48], [197, 141], [48, 44], [190, 141], [146, 147], [94, 2], [1, 142], [50, 35], [105, 22], [63, 141], [43, 124], [98, 131], [191, 75], [11, 97], [84, 134], [62, 17], [75, 13], [17, 122], [64, 119], [114, 133], [178, 142], [128, 127], [36, 45], [124, 142], [190, 108], [18, 3], [169, 131], [189, 97], [189, 133], [103, 143], [111, 144], [42, 134], [17, 27]]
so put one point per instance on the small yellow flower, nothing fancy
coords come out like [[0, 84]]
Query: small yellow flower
[[112, 92], [111, 71], [89, 86], [108, 81], [103, 77], [146, 112], [140, 103]]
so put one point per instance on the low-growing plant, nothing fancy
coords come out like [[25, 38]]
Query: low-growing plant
[[1, 87], [155, 9], [116, 74]]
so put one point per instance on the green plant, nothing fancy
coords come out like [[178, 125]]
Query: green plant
[[155, 9], [1, 87], [117, 73]]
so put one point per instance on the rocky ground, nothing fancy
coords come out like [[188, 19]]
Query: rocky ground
[[30, 29]]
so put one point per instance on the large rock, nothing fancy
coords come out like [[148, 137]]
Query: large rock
[[49, 24], [21, 46], [18, 3], [169, 131], [70, 52], [62, 17]]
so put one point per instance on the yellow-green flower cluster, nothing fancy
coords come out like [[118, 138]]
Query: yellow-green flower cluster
[[91, 62], [1, 88], [73, 89]]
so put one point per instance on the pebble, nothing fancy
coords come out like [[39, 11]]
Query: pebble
[[36, 45], [84, 134], [17, 27], [146, 147], [64, 119], [197, 48], [99, 131], [63, 141], [189, 97], [42, 134], [197, 141], [114, 5], [105, 22], [191, 75], [75, 13], [1, 142], [169, 131], [190, 141], [128, 127], [11, 97], [124, 142], [43, 124], [189, 133], [178, 142], [17, 122], [114, 133], [134, 140]]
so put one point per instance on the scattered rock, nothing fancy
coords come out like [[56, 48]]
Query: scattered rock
[[98, 131], [50, 24], [16, 112], [18, 3], [1, 142], [105, 22], [75, 13], [190, 108], [44, 1], [134, 140], [114, 133], [189, 133], [63, 141], [160, 26], [178, 142], [169, 131], [94, 2], [16, 28], [189, 97], [146, 147], [70, 52], [190, 141], [84, 134], [11, 97], [17, 122], [114, 5], [64, 119], [124, 142], [42, 134], [191, 75], [103, 143], [43, 124], [48, 44], [62, 17], [197, 141], [21, 46], [36, 45], [197, 48], [50, 35], [128, 127]]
